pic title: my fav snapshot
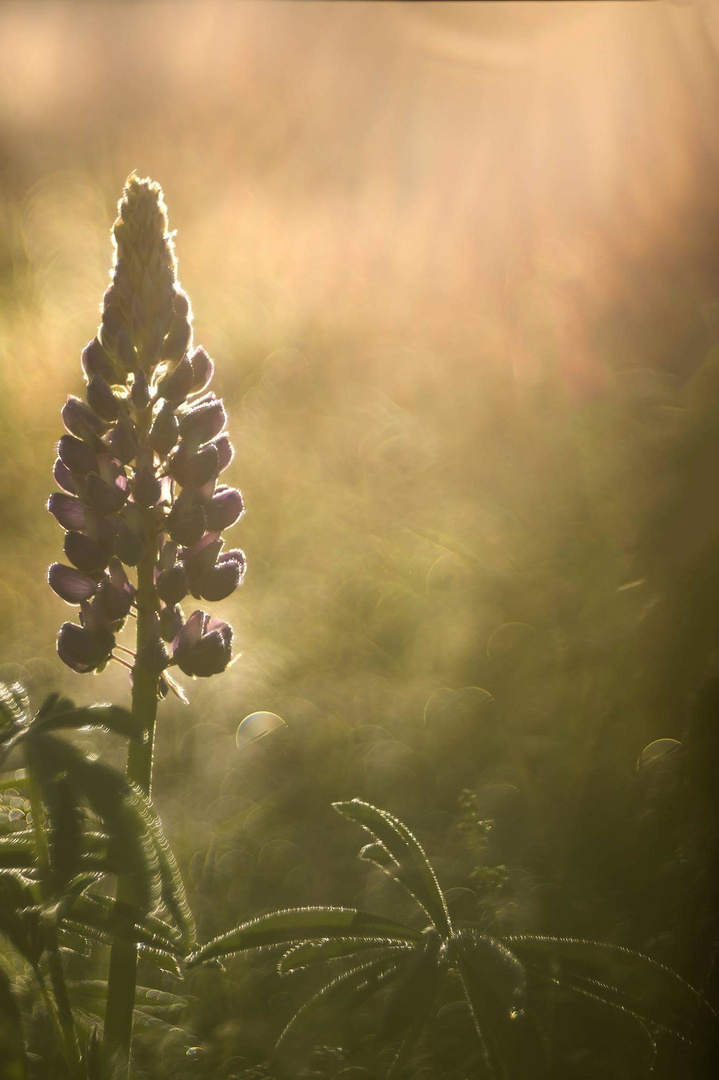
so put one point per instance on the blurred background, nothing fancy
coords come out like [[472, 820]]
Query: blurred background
[[458, 268]]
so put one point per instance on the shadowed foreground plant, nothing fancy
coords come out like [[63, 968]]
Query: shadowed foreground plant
[[503, 981], [81, 822], [138, 471]]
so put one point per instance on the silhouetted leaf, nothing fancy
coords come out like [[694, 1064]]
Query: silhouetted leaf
[[495, 984], [411, 1001], [623, 979], [103, 914], [313, 952], [106, 717], [17, 850], [343, 993], [303, 924], [413, 867]]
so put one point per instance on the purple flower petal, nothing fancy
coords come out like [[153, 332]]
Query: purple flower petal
[[76, 455], [84, 553], [63, 477], [79, 419], [102, 497], [67, 510], [83, 650], [219, 582], [70, 584]]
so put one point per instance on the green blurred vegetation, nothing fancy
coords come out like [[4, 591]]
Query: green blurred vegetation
[[459, 280]]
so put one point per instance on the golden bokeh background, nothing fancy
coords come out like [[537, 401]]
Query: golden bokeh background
[[458, 267]]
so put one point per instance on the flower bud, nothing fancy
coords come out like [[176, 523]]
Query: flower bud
[[146, 489], [203, 422], [101, 399], [71, 585], [224, 509], [67, 510], [122, 439], [176, 385], [172, 585], [178, 338], [165, 430], [126, 350], [129, 543], [225, 452], [140, 393], [197, 469], [95, 361], [170, 623], [202, 370], [186, 521], [202, 556]]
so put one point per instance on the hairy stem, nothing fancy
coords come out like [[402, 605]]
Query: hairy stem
[[145, 673]]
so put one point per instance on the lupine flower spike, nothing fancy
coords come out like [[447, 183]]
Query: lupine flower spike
[[139, 468], [138, 473]]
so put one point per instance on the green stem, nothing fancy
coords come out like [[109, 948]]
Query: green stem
[[58, 1006], [123, 956]]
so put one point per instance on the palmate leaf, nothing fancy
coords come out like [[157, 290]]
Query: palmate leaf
[[342, 994], [12, 1047], [413, 869], [309, 953], [296, 925], [495, 985], [622, 979]]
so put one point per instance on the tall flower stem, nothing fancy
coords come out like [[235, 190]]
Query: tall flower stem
[[123, 956]]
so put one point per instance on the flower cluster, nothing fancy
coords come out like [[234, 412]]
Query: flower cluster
[[139, 467]]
